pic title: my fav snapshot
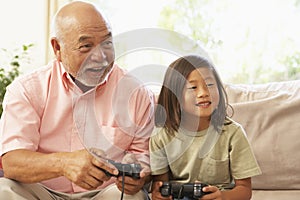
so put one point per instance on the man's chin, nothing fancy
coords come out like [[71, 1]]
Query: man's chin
[[90, 83], [87, 83]]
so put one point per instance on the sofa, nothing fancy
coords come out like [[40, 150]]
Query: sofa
[[270, 115]]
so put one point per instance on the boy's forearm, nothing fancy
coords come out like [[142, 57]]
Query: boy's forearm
[[237, 193]]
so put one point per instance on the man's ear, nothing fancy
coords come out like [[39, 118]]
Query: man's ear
[[56, 48]]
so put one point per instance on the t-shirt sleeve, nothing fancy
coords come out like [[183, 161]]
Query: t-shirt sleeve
[[158, 158], [242, 159]]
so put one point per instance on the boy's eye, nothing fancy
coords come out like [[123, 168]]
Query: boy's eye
[[192, 87]]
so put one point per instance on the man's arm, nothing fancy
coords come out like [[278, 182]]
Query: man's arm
[[79, 167]]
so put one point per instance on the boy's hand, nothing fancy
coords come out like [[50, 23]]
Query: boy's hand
[[156, 195], [215, 193]]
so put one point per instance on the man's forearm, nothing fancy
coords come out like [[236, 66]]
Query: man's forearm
[[31, 167]]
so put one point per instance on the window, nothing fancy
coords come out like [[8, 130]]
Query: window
[[248, 41], [22, 23]]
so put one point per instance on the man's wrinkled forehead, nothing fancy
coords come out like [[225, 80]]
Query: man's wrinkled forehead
[[82, 25], [103, 36], [105, 29]]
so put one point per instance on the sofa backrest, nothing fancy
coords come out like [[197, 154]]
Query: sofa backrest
[[270, 114]]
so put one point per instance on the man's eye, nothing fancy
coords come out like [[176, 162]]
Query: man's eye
[[85, 47], [107, 44], [210, 84]]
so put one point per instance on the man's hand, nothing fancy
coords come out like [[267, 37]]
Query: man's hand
[[85, 171], [79, 167], [131, 185]]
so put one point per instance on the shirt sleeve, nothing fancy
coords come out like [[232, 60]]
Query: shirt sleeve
[[19, 121], [143, 117], [242, 159]]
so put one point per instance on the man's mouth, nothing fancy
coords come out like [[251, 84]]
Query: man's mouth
[[96, 70]]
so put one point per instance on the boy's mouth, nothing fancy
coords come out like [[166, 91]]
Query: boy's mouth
[[204, 104]]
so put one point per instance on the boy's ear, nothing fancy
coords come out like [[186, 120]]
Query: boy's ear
[[56, 48]]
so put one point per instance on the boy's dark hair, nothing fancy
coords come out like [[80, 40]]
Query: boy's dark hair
[[168, 111]]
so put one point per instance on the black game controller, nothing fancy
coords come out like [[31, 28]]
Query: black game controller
[[133, 170], [180, 190]]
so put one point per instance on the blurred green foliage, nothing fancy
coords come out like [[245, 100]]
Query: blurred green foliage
[[9, 73], [248, 43]]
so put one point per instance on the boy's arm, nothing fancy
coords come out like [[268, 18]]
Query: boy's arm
[[241, 191]]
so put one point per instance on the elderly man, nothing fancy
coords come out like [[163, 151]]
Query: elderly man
[[43, 151]]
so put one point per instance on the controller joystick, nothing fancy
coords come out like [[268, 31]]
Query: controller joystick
[[133, 170]]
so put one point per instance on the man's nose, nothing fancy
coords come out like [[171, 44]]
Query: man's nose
[[98, 54]]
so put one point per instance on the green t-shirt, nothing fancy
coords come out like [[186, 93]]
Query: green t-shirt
[[230, 158]]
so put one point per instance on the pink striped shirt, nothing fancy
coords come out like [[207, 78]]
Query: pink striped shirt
[[46, 112]]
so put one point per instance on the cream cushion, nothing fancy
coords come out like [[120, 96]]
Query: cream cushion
[[270, 114]]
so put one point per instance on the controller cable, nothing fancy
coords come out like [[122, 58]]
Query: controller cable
[[123, 184]]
